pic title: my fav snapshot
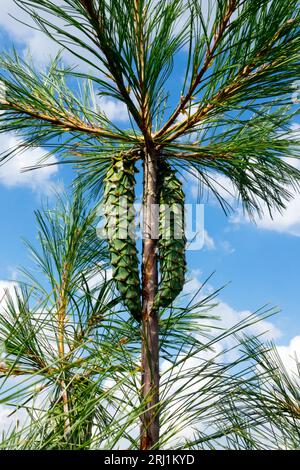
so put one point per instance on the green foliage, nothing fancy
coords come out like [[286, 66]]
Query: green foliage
[[131, 44], [234, 112], [118, 201]]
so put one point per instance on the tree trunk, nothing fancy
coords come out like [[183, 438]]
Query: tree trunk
[[150, 325]]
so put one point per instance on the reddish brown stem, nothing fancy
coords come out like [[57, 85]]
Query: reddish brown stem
[[150, 323]]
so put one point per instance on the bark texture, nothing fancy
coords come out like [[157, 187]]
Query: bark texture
[[150, 323]]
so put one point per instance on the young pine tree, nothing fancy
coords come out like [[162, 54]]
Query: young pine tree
[[238, 61]]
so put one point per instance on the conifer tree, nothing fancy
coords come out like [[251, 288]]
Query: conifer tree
[[232, 117]]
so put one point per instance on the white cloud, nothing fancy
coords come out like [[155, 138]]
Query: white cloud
[[23, 30], [228, 315], [9, 420], [194, 284], [11, 171], [209, 242], [227, 247], [2, 90], [10, 11], [97, 280], [223, 349], [113, 109], [2, 93], [41, 48], [39, 44], [287, 222], [6, 288], [219, 183], [290, 355], [8, 293], [179, 383]]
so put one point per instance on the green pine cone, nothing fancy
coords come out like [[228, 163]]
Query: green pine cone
[[172, 239], [119, 196]]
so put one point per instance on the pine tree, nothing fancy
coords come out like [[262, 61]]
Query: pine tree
[[232, 118]]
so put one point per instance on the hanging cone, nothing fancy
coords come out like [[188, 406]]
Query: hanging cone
[[119, 197], [172, 239]]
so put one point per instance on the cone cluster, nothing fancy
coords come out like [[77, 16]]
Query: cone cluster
[[119, 197], [172, 239]]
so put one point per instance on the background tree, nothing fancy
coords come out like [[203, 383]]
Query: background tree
[[52, 344], [232, 117]]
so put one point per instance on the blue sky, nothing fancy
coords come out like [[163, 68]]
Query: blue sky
[[261, 262]]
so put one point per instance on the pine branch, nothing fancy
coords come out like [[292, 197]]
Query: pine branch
[[64, 122], [42, 107], [15, 371], [209, 57], [244, 77]]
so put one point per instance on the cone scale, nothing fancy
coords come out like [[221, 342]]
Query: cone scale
[[119, 197]]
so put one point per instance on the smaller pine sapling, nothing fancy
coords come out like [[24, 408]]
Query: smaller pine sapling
[[63, 335]]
